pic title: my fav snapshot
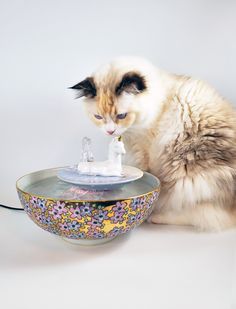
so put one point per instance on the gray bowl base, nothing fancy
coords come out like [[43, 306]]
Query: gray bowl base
[[88, 242]]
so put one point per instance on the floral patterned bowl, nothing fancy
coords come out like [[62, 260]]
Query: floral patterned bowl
[[83, 216]]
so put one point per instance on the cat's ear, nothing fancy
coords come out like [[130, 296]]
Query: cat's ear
[[131, 82], [86, 88]]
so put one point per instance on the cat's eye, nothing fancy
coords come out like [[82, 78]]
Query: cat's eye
[[98, 116], [121, 116]]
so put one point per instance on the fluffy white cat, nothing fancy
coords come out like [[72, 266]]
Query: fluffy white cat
[[176, 127]]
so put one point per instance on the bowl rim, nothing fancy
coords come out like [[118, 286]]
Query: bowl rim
[[158, 188]]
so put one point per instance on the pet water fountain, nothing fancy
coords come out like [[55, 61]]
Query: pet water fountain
[[91, 202]]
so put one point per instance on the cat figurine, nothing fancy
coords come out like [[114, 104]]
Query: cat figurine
[[175, 127]]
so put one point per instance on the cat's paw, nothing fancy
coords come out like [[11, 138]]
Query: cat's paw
[[154, 218], [168, 218]]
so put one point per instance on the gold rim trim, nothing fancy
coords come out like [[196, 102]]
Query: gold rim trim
[[83, 201]]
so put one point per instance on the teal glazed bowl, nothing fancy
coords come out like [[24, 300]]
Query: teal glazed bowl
[[85, 216]]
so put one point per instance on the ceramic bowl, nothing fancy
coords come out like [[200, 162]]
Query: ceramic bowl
[[83, 216]]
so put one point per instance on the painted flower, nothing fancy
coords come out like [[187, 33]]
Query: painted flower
[[57, 210], [115, 231], [120, 207], [142, 202], [41, 203], [95, 234], [46, 220], [27, 208], [127, 229], [79, 235], [34, 202], [74, 225], [94, 223], [60, 207], [64, 226], [39, 217], [132, 219], [139, 203], [101, 215], [52, 230], [153, 197], [75, 213], [118, 217], [155, 194], [135, 203], [56, 215], [85, 210], [138, 216]]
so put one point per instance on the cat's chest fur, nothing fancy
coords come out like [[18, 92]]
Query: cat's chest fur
[[137, 144], [147, 147]]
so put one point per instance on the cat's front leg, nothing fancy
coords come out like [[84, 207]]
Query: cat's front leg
[[204, 217], [169, 217]]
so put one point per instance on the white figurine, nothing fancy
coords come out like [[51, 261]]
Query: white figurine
[[110, 167]]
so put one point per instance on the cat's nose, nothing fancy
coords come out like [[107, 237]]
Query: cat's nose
[[110, 131]]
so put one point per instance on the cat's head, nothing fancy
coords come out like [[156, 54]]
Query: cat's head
[[116, 95]]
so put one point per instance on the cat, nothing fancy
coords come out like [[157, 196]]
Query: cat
[[175, 127]]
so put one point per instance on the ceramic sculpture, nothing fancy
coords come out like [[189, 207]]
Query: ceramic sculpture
[[110, 167]]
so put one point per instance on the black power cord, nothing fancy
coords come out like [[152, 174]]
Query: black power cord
[[12, 208]]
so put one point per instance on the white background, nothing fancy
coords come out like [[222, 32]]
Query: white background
[[47, 46]]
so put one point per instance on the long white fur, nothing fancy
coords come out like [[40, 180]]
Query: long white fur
[[158, 123]]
